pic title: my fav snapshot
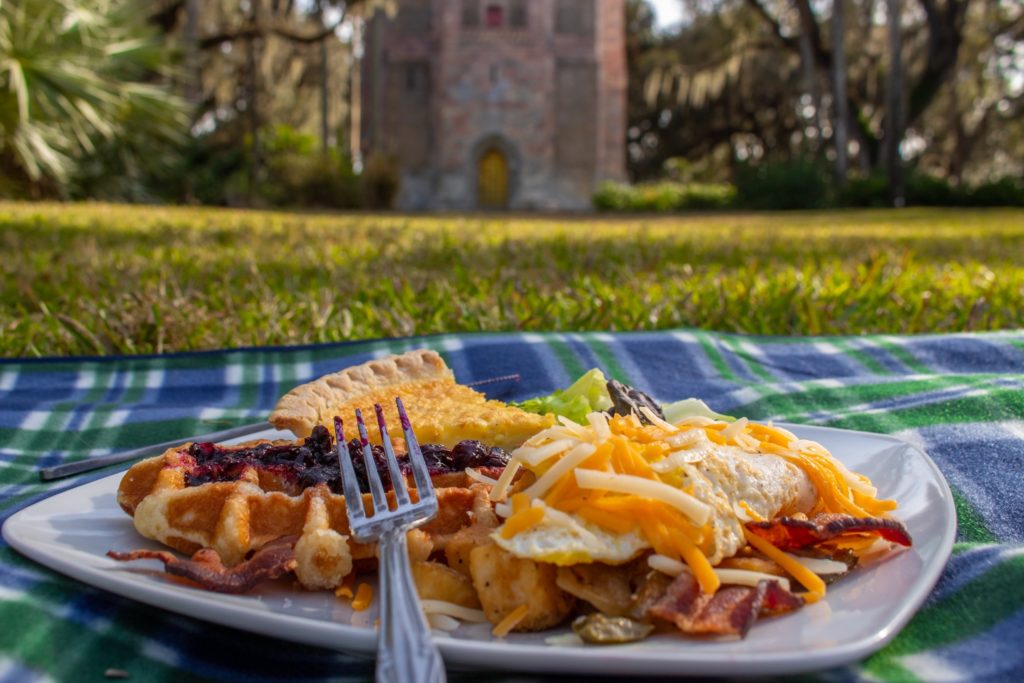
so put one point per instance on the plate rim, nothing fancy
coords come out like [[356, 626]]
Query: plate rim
[[622, 660]]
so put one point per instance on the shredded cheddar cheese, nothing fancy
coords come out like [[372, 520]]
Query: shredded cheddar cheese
[[648, 488], [808, 579], [364, 596], [521, 521], [510, 621], [751, 512], [345, 589], [618, 477]]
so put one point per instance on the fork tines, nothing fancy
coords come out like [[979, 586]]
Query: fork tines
[[406, 513]]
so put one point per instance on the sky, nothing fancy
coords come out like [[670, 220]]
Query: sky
[[669, 12]]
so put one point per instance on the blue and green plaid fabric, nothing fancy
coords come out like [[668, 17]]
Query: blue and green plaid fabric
[[959, 397]]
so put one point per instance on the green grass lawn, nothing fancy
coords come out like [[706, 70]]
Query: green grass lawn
[[100, 279]]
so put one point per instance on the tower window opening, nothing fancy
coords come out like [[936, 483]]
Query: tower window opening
[[495, 16]]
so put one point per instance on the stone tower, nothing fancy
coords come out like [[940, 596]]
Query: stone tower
[[493, 104]]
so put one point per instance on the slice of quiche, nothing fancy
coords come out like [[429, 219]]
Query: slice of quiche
[[441, 410]]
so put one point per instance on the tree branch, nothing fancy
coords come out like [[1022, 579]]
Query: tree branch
[[945, 34], [809, 25], [165, 14], [773, 24], [259, 31]]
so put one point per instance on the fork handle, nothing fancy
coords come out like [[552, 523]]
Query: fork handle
[[405, 652]]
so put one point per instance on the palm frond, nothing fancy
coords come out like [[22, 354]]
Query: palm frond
[[69, 70]]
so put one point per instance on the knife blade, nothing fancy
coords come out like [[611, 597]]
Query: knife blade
[[89, 464]]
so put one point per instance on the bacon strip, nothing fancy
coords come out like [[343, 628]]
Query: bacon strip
[[788, 533], [732, 610], [778, 600], [205, 568]]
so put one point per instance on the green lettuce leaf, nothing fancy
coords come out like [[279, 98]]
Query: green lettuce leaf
[[691, 407], [585, 395]]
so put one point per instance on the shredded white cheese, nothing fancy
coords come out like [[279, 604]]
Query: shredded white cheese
[[657, 421], [579, 431], [748, 443], [452, 610], [736, 428], [442, 622], [676, 459], [599, 423], [565, 465], [820, 565], [665, 565], [500, 489], [482, 478], [567, 521], [745, 577], [686, 438], [534, 456]]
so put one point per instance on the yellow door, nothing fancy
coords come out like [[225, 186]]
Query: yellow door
[[492, 180]]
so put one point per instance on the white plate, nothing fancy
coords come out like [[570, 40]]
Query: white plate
[[71, 532]]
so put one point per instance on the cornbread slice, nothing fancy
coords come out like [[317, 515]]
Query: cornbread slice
[[441, 410]]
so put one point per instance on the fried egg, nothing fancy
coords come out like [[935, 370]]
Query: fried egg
[[577, 542], [737, 484]]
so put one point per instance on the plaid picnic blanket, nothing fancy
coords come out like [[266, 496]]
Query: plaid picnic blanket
[[959, 397]]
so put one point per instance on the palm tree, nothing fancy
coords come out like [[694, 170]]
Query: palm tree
[[74, 75]]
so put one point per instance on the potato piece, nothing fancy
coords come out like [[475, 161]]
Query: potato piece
[[454, 513], [458, 546], [504, 582], [608, 588], [434, 581], [419, 545], [652, 588]]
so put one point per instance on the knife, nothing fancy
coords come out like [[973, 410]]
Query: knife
[[89, 464]]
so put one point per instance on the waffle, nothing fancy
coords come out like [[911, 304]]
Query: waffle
[[197, 496]]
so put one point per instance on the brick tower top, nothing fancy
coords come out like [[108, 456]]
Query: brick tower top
[[491, 104]]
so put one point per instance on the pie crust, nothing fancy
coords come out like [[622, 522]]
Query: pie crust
[[441, 410]]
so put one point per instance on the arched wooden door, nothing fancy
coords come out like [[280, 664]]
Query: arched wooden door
[[492, 180]]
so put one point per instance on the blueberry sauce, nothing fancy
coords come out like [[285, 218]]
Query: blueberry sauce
[[314, 461]]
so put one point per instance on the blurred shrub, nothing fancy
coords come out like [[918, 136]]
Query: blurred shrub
[[380, 180], [298, 173], [294, 172], [315, 180], [612, 196], [212, 172], [796, 184], [870, 191], [924, 189], [1008, 191], [663, 197]]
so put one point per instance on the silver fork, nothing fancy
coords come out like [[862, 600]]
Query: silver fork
[[405, 651]]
